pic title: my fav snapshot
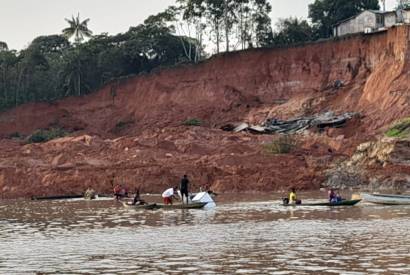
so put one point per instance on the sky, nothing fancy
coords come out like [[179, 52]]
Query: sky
[[23, 20]]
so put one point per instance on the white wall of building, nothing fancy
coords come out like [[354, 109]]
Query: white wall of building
[[406, 16], [390, 19], [366, 19]]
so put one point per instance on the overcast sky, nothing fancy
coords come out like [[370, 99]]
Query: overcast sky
[[23, 20]]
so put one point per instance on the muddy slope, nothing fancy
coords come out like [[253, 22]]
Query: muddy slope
[[134, 133]]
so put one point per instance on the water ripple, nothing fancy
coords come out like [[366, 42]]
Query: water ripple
[[241, 238]]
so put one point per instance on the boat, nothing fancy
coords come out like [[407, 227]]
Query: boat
[[70, 197], [193, 205], [386, 199], [148, 206], [57, 197], [340, 203]]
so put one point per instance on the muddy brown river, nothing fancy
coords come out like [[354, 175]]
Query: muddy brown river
[[248, 236]]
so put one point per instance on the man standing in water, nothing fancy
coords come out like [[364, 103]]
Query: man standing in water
[[184, 188]]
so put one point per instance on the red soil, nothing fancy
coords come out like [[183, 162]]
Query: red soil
[[137, 138]]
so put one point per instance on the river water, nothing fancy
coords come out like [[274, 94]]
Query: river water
[[258, 237]]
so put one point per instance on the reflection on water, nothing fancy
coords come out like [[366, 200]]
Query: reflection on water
[[102, 237]]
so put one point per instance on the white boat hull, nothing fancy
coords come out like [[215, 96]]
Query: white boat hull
[[386, 199]]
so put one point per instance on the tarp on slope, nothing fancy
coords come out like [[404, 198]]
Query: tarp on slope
[[297, 125]]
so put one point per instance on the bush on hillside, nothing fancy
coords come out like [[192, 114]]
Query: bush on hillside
[[400, 130], [282, 144], [192, 122], [44, 135]]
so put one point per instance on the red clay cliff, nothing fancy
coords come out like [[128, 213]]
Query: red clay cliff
[[137, 137]]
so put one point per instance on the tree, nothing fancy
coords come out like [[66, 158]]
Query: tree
[[263, 28], [292, 31], [190, 30], [77, 29], [8, 61], [326, 13], [217, 14], [72, 72], [243, 23], [3, 46], [403, 4], [51, 44], [31, 66]]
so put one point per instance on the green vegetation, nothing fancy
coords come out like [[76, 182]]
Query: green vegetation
[[293, 31], [52, 68], [400, 129], [232, 24], [282, 144], [3, 46], [192, 122], [44, 135]]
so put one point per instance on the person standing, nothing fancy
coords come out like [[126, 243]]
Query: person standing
[[184, 188], [137, 198]]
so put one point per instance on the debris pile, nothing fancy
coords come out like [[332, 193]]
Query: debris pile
[[297, 125]]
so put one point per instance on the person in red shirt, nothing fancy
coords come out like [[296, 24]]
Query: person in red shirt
[[117, 191]]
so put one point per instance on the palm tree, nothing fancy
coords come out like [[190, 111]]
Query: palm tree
[[77, 29]]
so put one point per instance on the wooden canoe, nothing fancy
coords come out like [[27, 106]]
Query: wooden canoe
[[341, 203], [386, 199], [194, 205], [62, 197]]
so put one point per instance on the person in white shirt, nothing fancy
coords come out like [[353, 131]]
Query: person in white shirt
[[169, 194]]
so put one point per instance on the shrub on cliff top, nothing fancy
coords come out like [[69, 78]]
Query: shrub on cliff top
[[44, 135], [192, 122], [400, 130], [282, 144]]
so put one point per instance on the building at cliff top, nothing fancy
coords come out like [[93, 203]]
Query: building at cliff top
[[370, 21]]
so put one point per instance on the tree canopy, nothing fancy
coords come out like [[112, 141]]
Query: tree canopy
[[232, 24], [293, 31], [3, 46], [51, 67]]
